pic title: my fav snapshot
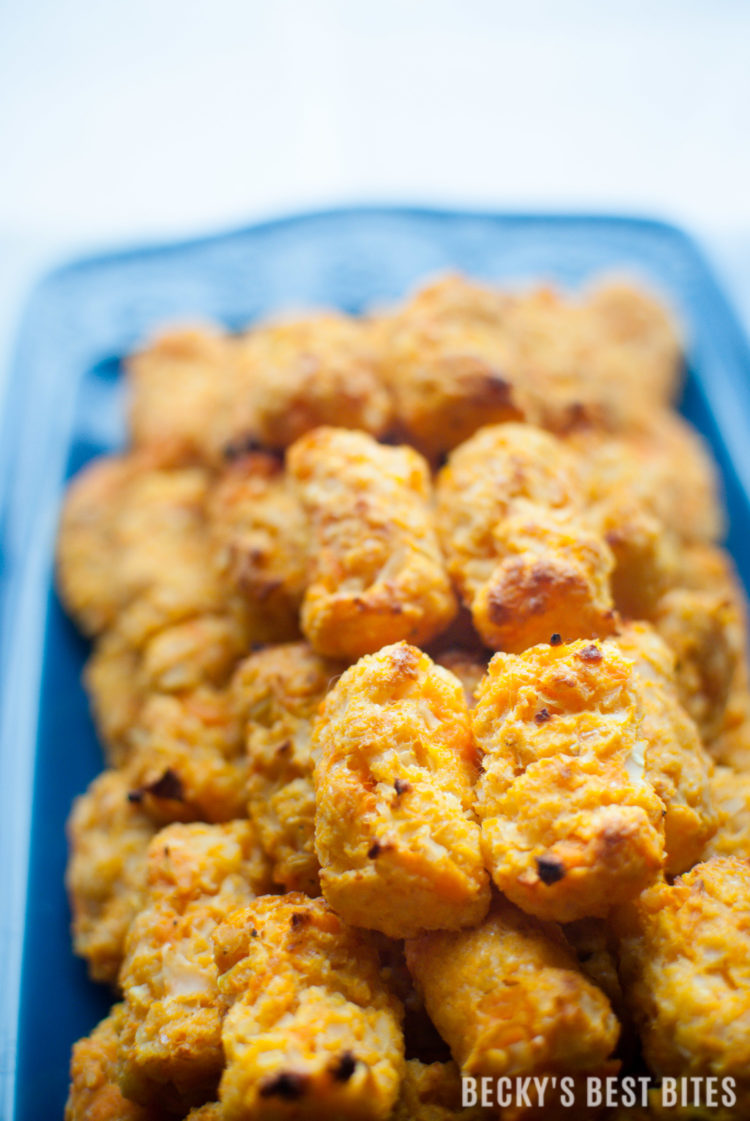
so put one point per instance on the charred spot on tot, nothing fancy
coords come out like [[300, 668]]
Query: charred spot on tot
[[343, 1067], [550, 869], [287, 1085]]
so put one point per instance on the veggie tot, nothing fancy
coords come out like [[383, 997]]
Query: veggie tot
[[169, 1050], [109, 837], [376, 572], [312, 1030], [395, 835], [296, 375], [280, 689], [676, 765], [509, 998], [517, 544], [93, 1094], [684, 952], [570, 823], [259, 540], [447, 354]]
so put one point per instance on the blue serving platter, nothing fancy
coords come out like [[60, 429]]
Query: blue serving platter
[[66, 405]]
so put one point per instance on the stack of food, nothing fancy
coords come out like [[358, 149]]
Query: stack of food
[[422, 686]]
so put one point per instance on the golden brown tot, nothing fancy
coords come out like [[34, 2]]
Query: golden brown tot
[[509, 998], [446, 359], [170, 1037], [109, 836], [94, 1094], [397, 841], [676, 764], [298, 375], [376, 573], [260, 543], [685, 964], [179, 385], [311, 1031], [280, 689], [570, 824], [518, 547], [730, 791]]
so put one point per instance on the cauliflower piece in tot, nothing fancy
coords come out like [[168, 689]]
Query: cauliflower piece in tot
[[94, 1094], [684, 953], [510, 1000], [311, 1031], [170, 1052], [281, 688], [376, 574], [397, 841], [518, 547], [109, 837], [570, 823]]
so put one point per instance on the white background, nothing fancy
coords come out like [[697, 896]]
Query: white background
[[126, 120]]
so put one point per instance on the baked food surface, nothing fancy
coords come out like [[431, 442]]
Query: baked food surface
[[421, 679]]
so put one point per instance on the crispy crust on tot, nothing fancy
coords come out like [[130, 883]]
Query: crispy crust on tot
[[186, 760], [133, 547], [446, 360], [730, 791], [703, 618], [178, 384], [179, 660]]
